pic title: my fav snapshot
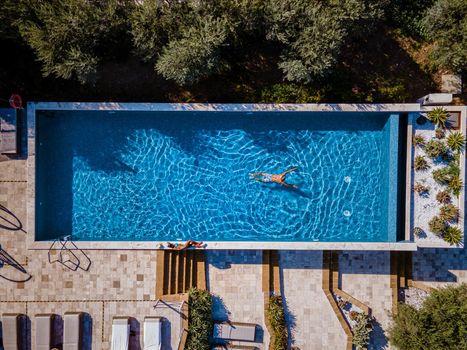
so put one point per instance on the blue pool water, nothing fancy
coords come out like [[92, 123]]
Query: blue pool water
[[144, 176]]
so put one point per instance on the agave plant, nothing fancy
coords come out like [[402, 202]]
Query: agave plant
[[420, 163], [435, 148], [419, 140], [441, 175], [443, 197], [437, 225], [417, 231], [456, 141], [455, 185], [438, 116], [452, 235], [439, 133], [449, 212]]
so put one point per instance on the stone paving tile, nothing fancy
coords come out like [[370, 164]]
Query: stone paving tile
[[365, 276], [235, 279], [307, 308], [438, 267], [13, 170]]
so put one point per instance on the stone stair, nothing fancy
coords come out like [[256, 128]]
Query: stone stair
[[271, 272], [178, 271]]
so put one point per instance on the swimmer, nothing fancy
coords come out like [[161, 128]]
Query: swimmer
[[190, 243], [277, 178]]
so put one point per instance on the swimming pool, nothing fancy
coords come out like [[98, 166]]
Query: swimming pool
[[157, 176]]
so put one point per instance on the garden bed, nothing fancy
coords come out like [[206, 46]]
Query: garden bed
[[437, 184]]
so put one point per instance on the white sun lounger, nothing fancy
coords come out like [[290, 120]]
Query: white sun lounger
[[73, 331], [14, 331], [152, 333], [120, 333], [44, 331], [234, 331]]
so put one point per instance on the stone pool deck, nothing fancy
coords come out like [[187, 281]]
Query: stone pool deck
[[122, 282]]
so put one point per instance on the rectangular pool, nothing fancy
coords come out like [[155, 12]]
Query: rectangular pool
[[159, 176]]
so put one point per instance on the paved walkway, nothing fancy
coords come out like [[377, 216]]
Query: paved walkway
[[235, 279], [314, 324], [365, 276]]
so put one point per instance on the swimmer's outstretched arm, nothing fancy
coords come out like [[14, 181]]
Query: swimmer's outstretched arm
[[257, 174], [288, 185], [289, 171]]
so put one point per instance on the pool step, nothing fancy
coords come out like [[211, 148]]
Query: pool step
[[401, 274], [271, 272], [178, 271]]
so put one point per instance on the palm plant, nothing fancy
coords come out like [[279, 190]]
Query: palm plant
[[200, 319], [443, 197], [452, 235], [438, 116], [419, 140], [420, 163], [455, 185], [449, 212], [456, 141], [437, 225]]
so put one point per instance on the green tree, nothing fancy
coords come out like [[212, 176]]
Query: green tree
[[440, 324], [314, 33], [445, 23], [68, 35], [196, 54]]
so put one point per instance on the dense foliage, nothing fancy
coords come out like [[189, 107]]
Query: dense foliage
[[361, 331], [200, 324], [446, 24], [67, 35], [276, 318], [440, 324]]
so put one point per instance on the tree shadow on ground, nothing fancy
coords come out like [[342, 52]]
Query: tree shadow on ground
[[376, 63]]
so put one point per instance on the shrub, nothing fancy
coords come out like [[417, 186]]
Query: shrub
[[361, 331], [69, 36], [276, 318], [440, 323], [420, 163], [449, 212], [435, 148], [320, 30], [439, 133], [455, 185], [196, 55], [453, 235], [396, 93], [438, 116], [456, 141], [437, 225], [200, 320], [443, 197], [290, 93], [445, 23], [419, 140], [417, 231]]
